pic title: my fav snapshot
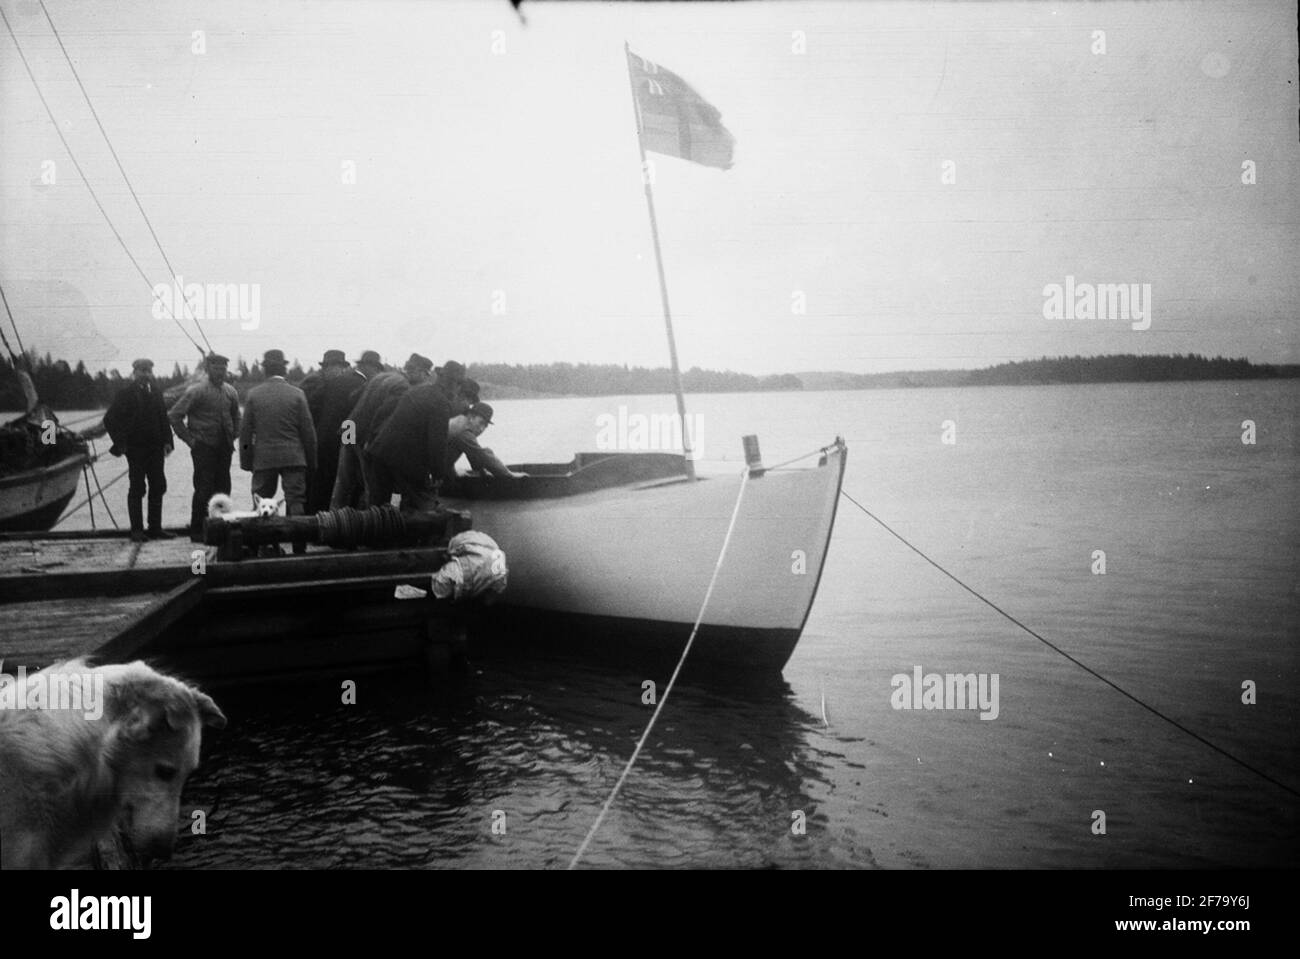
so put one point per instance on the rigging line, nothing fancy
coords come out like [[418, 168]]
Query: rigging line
[[91, 463], [93, 195], [717, 568], [17, 336], [1088, 669], [122, 170], [77, 509], [90, 497]]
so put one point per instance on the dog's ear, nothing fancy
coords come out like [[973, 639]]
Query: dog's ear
[[209, 713], [181, 706], [143, 720]]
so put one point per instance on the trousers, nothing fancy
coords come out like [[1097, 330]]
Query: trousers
[[145, 467], [211, 476]]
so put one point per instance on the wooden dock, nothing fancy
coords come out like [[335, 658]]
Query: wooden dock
[[186, 609]]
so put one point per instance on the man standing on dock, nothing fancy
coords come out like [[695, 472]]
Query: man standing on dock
[[277, 443], [331, 393], [375, 404], [138, 425], [408, 454], [206, 418]]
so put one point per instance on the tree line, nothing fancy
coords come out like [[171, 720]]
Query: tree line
[[67, 387], [1123, 368]]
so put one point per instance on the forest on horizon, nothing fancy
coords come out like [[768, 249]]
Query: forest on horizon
[[73, 387]]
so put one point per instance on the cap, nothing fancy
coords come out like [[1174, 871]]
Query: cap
[[451, 368], [481, 409], [216, 359], [372, 358], [334, 358], [418, 362], [274, 358], [146, 365]]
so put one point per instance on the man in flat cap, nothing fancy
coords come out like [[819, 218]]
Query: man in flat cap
[[408, 453], [331, 393], [206, 418], [373, 406], [463, 432], [138, 425], [277, 442]]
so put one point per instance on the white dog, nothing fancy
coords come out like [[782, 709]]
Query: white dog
[[222, 506], [67, 780]]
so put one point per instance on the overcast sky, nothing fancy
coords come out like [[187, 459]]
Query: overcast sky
[[501, 169]]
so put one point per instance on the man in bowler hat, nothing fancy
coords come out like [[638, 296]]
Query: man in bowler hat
[[277, 442], [331, 393]]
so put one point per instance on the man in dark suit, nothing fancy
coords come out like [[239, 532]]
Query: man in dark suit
[[277, 441], [331, 393], [137, 423], [373, 406], [408, 454]]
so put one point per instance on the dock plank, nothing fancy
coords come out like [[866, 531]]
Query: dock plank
[[39, 633]]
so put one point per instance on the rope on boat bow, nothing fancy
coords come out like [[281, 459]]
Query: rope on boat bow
[[717, 568], [1086, 668]]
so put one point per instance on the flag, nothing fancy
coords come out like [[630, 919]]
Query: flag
[[675, 120]]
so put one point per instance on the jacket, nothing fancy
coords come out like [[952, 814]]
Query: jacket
[[208, 415], [413, 441], [278, 432], [137, 419], [331, 394], [376, 403], [462, 440]]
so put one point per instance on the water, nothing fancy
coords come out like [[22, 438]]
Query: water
[[1199, 596]]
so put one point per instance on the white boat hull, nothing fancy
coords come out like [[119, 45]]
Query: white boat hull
[[630, 566], [35, 499]]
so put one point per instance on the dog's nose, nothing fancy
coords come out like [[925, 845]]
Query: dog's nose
[[158, 848]]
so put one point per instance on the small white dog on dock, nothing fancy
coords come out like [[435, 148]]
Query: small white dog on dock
[[222, 506], [71, 775]]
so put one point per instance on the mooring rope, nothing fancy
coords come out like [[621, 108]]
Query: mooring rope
[[717, 568], [91, 463], [85, 475], [1084, 666], [109, 485]]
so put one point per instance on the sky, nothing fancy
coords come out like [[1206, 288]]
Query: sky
[[440, 178]]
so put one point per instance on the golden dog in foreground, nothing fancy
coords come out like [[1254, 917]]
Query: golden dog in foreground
[[88, 750]]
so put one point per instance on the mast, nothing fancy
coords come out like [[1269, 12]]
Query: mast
[[663, 283]]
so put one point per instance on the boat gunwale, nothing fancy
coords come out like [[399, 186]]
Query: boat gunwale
[[70, 462]]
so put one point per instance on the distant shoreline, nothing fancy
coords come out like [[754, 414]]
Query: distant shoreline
[[64, 387]]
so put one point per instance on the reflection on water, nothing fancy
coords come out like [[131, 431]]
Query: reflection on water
[[416, 776], [1202, 551]]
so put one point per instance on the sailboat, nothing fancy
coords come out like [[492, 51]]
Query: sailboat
[[37, 481], [41, 462], [628, 552]]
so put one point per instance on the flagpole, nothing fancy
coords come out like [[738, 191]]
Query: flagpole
[[663, 283]]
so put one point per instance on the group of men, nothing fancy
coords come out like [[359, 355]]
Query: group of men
[[347, 436]]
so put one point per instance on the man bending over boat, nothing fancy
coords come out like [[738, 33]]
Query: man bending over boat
[[462, 440], [206, 418], [373, 407], [408, 454], [138, 425]]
